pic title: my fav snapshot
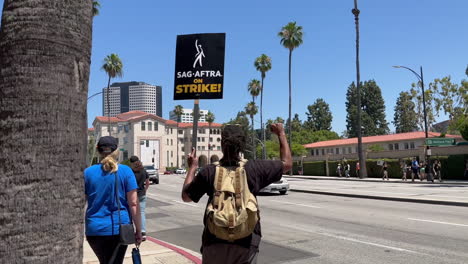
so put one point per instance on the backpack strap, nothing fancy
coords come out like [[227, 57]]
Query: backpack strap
[[220, 171], [237, 186]]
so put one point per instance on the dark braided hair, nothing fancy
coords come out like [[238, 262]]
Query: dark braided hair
[[233, 142]]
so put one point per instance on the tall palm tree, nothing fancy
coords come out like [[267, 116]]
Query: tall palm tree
[[251, 109], [262, 64], [210, 118], [178, 111], [96, 7], [291, 38], [43, 89], [254, 88], [114, 68]]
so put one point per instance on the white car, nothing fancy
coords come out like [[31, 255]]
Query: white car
[[281, 186], [180, 171]]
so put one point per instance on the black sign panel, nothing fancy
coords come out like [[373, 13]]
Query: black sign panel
[[199, 67]]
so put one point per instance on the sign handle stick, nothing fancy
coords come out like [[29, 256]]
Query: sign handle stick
[[196, 110]]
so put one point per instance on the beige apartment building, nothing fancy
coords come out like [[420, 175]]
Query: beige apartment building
[[154, 139]]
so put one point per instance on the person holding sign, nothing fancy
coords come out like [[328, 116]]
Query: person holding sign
[[232, 231]]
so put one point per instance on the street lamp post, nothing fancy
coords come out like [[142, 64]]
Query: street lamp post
[[421, 79]]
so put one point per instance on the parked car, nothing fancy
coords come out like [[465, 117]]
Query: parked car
[[181, 171], [167, 172], [281, 186], [153, 173]]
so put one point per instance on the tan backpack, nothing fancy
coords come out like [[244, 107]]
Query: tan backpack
[[233, 212]]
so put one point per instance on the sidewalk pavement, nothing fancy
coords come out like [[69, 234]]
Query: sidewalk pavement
[[152, 251], [454, 193]]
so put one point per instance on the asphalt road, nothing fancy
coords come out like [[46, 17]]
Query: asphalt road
[[309, 228]]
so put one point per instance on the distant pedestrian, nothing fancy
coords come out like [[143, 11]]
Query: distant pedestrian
[[104, 184], [338, 170], [347, 170], [414, 169], [232, 229], [422, 170], [429, 171], [385, 172], [143, 183], [437, 170], [358, 168], [403, 170]]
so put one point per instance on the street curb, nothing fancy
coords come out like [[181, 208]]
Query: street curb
[[364, 180], [396, 199], [179, 250]]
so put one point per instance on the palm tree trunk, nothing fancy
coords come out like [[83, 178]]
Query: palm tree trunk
[[290, 103], [253, 139], [262, 130], [209, 143], [45, 52], [177, 138], [108, 107], [362, 159]]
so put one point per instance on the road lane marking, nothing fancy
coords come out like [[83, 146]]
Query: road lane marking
[[184, 203], [369, 243], [437, 222], [167, 199], [304, 205]]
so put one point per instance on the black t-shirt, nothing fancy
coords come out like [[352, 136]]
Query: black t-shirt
[[260, 173], [141, 177]]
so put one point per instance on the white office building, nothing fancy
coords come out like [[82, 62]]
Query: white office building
[[133, 96], [187, 116]]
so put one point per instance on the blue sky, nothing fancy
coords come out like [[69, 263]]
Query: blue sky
[[431, 33]]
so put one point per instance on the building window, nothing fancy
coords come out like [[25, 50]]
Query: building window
[[412, 145], [218, 148], [171, 130], [125, 155], [172, 153], [203, 139], [218, 139], [147, 143], [397, 146], [198, 139], [390, 146], [167, 141], [349, 150], [312, 152], [211, 139], [172, 142], [337, 150], [150, 126], [203, 148], [156, 126], [142, 142], [406, 145], [323, 152], [181, 132], [142, 126], [198, 148], [316, 152]]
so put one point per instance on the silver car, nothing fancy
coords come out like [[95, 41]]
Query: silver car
[[153, 173], [281, 186]]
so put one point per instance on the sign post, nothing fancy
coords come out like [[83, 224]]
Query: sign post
[[199, 71]]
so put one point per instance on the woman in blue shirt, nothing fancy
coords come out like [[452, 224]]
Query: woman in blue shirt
[[102, 216]]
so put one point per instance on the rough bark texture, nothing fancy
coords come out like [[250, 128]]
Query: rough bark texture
[[45, 48]]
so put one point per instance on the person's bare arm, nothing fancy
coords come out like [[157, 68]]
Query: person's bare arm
[[134, 206], [147, 184], [193, 165], [285, 152]]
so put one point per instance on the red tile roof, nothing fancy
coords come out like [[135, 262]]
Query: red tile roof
[[376, 139], [134, 116], [91, 129]]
